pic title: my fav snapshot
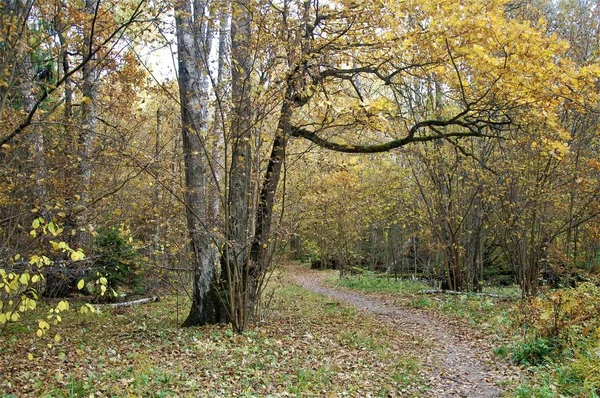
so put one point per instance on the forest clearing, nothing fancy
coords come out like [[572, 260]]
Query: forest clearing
[[300, 198]]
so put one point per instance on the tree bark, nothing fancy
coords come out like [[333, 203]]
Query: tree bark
[[264, 212], [207, 306], [238, 198], [87, 130]]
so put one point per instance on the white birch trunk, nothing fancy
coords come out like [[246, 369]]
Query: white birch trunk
[[193, 44], [87, 132]]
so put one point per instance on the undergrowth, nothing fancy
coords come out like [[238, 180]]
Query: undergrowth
[[370, 283]]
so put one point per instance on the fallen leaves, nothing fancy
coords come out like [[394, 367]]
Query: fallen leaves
[[308, 346]]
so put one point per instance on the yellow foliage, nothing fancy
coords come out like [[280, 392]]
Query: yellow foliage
[[566, 313]]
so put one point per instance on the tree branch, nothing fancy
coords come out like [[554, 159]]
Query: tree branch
[[46, 93], [471, 130]]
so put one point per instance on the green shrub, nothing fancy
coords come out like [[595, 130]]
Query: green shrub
[[534, 392], [565, 313], [371, 283], [534, 352], [118, 259], [586, 369], [501, 351]]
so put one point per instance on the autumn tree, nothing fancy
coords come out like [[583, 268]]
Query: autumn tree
[[47, 53]]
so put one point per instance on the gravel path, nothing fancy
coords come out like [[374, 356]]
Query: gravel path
[[456, 359]]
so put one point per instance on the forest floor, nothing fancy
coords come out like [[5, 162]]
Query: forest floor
[[457, 359], [313, 340]]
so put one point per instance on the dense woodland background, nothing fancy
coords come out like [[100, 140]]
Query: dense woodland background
[[184, 145]]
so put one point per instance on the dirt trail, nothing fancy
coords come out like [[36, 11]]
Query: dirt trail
[[457, 361]]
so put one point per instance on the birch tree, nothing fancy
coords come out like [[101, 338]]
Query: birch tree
[[193, 43]]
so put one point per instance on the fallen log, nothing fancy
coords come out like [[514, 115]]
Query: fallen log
[[440, 291], [134, 302]]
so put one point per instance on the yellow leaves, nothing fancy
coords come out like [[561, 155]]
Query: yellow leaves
[[87, 308], [19, 289], [380, 105], [77, 255], [52, 228], [39, 225], [556, 148], [30, 356], [30, 304], [63, 306], [86, 100], [24, 278], [36, 223], [43, 327], [39, 261], [33, 41], [81, 284]]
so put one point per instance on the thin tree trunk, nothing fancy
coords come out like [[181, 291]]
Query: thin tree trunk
[[157, 186], [264, 212], [223, 100], [86, 132], [236, 254]]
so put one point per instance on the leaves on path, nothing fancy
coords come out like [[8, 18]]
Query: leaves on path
[[457, 358]]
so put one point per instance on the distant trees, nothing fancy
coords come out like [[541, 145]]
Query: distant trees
[[50, 62], [472, 203]]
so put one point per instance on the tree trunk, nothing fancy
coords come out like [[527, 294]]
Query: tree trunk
[[86, 133], [238, 198], [207, 306], [264, 212]]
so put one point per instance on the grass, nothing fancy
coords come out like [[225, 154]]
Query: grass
[[479, 310], [369, 283], [308, 347]]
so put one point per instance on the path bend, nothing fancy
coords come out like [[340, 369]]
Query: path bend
[[457, 363]]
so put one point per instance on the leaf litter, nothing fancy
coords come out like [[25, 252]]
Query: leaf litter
[[315, 341]]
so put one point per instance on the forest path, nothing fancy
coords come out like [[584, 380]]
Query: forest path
[[457, 360]]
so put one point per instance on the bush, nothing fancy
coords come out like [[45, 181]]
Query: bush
[[566, 313], [118, 259], [534, 352], [565, 329], [586, 369]]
